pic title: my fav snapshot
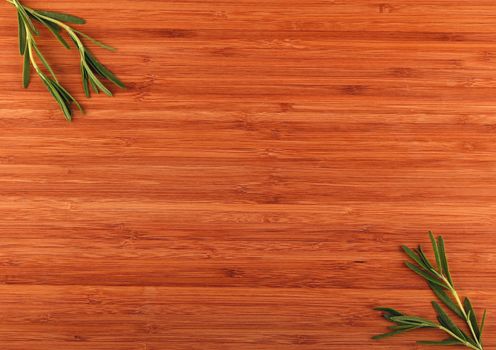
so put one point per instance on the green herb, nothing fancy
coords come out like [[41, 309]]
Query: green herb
[[93, 72], [439, 280]]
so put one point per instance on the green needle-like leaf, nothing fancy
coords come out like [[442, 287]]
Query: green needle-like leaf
[[441, 294], [446, 321], [64, 17], [451, 341], [96, 42], [50, 84], [93, 85], [436, 252], [22, 34], [413, 320], [402, 326], [100, 85], [56, 32], [26, 70], [25, 17], [68, 97], [412, 255], [395, 332], [389, 310], [44, 61], [427, 276], [444, 260], [84, 77], [103, 71], [403, 323], [467, 305], [483, 323], [424, 258]]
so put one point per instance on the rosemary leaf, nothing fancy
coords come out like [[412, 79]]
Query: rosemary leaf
[[436, 252], [441, 294], [424, 258], [64, 17], [483, 322], [22, 34], [23, 13], [43, 60], [389, 310], [55, 30], [96, 42], [26, 70], [427, 276], [446, 321], [390, 334], [449, 341], [413, 320], [444, 260], [84, 76], [103, 71], [50, 84], [473, 318], [412, 255]]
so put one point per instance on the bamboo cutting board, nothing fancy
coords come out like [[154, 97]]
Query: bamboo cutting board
[[251, 187]]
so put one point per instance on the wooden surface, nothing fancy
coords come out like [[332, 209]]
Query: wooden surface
[[251, 187]]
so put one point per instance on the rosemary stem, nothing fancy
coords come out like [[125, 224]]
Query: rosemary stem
[[462, 309], [31, 56], [460, 306], [69, 31], [466, 343], [30, 40], [467, 318], [67, 28]]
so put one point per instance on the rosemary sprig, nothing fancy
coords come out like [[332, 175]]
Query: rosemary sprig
[[439, 280], [93, 72]]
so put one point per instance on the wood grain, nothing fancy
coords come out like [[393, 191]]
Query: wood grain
[[251, 187]]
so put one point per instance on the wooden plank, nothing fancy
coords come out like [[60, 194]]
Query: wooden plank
[[250, 189]]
